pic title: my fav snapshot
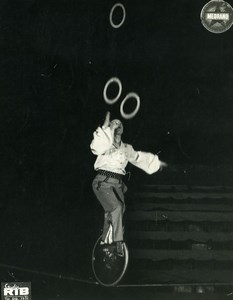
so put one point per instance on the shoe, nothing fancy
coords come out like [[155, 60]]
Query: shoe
[[119, 249]]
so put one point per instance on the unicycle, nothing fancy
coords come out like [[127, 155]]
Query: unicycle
[[108, 267]]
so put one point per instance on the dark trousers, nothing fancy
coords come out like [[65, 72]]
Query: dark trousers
[[110, 193]]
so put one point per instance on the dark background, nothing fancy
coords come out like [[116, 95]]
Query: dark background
[[55, 58]]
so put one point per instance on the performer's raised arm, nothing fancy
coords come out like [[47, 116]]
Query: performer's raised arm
[[102, 137]]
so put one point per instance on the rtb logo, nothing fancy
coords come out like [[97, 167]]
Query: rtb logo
[[19, 291], [16, 291]]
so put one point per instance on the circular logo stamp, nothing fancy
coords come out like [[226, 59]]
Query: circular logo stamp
[[217, 16]]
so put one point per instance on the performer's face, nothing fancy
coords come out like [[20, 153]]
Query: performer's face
[[117, 126], [119, 130]]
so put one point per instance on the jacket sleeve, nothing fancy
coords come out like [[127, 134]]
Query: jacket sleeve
[[145, 161], [102, 140]]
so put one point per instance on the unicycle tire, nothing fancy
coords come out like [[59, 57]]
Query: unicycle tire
[[108, 267]]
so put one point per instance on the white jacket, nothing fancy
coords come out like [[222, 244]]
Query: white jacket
[[115, 159]]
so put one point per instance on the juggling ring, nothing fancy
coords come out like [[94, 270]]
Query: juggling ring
[[111, 80], [129, 95], [131, 115], [111, 13]]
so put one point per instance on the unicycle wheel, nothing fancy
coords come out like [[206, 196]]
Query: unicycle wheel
[[107, 266]]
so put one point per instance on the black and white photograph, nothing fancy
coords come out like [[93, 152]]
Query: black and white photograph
[[116, 149]]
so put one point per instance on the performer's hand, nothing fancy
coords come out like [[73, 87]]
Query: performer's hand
[[163, 165], [107, 120]]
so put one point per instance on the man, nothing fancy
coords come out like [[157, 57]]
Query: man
[[112, 158]]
